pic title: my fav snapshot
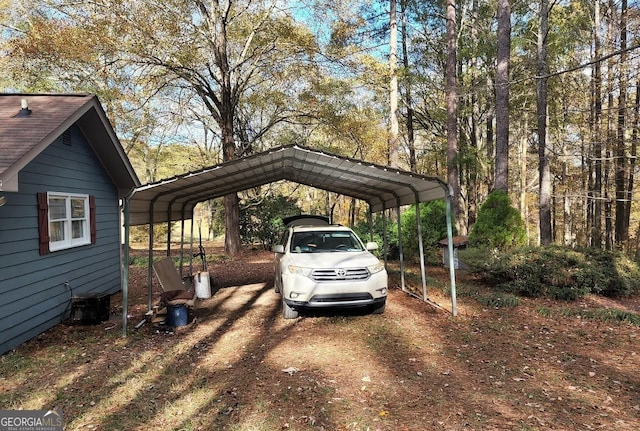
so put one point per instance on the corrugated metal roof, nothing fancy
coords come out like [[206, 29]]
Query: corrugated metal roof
[[23, 137], [382, 187]]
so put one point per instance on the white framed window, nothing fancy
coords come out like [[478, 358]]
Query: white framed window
[[69, 220]]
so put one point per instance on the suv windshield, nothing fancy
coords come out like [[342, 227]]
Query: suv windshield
[[324, 241]]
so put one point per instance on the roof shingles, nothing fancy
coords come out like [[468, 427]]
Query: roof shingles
[[21, 134], [23, 137]]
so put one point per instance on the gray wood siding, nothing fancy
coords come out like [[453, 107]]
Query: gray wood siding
[[35, 290]]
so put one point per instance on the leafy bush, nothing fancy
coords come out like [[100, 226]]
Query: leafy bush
[[499, 225], [433, 222], [140, 234], [556, 272], [612, 273], [261, 221], [375, 233]]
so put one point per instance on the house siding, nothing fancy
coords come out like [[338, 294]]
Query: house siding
[[35, 290]]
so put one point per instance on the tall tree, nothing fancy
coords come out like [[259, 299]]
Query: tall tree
[[474, 168], [502, 95], [217, 55], [408, 99], [394, 132], [596, 194], [633, 155], [544, 171], [452, 111], [609, 235], [621, 223]]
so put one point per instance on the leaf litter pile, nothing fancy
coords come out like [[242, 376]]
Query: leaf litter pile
[[538, 365]]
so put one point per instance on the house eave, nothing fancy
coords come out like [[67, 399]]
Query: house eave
[[93, 122]]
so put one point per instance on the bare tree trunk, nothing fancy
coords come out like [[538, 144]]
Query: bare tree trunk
[[475, 172], [586, 183], [502, 96], [634, 152], [567, 237], [352, 212], [611, 138], [596, 234], [621, 227], [490, 142], [394, 131], [232, 243], [223, 109], [554, 205], [452, 112], [413, 165], [541, 100], [523, 166]]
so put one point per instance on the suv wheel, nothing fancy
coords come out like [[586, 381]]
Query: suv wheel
[[276, 284], [288, 312]]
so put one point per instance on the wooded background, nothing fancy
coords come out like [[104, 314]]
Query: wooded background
[[536, 98]]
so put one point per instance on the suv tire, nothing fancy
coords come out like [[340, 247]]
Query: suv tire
[[288, 312], [277, 284]]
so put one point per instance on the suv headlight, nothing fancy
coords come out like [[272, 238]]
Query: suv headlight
[[376, 268], [299, 270]]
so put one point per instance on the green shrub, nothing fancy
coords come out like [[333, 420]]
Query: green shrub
[[612, 273], [499, 225], [261, 220], [556, 272], [433, 223], [140, 234], [375, 233]]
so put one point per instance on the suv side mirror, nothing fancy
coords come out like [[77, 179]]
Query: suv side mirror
[[278, 248], [372, 246]]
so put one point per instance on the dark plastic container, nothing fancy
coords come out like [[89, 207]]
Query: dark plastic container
[[177, 315]]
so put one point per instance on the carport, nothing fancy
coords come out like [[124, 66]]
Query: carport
[[382, 187]]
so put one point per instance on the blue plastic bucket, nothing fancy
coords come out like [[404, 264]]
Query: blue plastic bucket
[[177, 315]]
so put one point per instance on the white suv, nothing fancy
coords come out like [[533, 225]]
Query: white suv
[[327, 266]]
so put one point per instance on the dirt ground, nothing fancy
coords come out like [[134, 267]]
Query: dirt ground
[[240, 366]]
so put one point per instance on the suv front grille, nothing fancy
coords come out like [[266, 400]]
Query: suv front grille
[[340, 274]]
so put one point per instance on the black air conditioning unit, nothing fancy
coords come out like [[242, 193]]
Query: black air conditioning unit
[[90, 308]]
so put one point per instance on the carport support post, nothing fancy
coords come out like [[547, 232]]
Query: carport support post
[[125, 268], [150, 269], [452, 271], [385, 243], [181, 241], [168, 239], [169, 232], [400, 255], [193, 219], [421, 248]]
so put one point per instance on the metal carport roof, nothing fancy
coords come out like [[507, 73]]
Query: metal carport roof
[[173, 199]]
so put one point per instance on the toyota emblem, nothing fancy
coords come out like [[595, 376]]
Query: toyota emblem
[[341, 272]]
